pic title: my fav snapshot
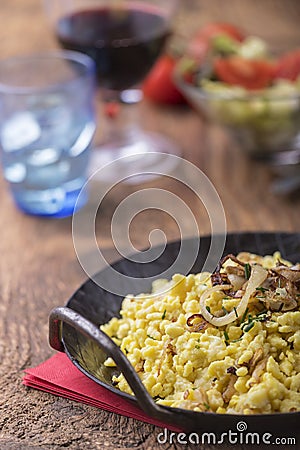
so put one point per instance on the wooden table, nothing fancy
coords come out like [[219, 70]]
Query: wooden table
[[38, 265]]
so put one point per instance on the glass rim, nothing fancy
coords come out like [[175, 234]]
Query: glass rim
[[85, 61]]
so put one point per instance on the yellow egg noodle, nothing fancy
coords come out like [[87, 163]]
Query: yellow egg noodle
[[226, 342]]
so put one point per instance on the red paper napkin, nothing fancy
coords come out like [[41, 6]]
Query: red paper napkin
[[59, 376]]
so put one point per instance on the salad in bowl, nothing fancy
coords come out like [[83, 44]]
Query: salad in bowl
[[238, 82]]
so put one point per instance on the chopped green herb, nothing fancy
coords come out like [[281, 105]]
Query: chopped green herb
[[206, 405], [226, 336], [248, 327], [208, 309], [197, 346], [262, 318], [247, 269], [235, 312], [244, 315], [249, 322], [238, 340], [164, 314], [224, 310], [148, 335]]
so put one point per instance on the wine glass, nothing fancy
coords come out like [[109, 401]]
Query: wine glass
[[124, 38]]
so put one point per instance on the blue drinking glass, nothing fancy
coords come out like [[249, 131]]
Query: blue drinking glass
[[47, 122]]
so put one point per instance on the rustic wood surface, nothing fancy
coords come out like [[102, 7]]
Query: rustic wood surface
[[38, 265]]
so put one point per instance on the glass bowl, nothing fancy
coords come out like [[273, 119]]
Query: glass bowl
[[265, 123]]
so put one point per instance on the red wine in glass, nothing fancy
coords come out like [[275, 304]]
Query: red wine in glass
[[124, 38], [124, 41]]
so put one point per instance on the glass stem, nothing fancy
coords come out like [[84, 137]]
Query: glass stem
[[120, 118]]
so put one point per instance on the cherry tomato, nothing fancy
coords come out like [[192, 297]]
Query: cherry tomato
[[159, 86], [288, 66], [250, 74]]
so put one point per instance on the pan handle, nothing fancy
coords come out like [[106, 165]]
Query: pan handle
[[61, 315]]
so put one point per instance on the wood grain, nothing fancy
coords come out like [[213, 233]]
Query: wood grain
[[38, 265]]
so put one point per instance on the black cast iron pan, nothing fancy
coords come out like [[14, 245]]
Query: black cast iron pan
[[74, 329]]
